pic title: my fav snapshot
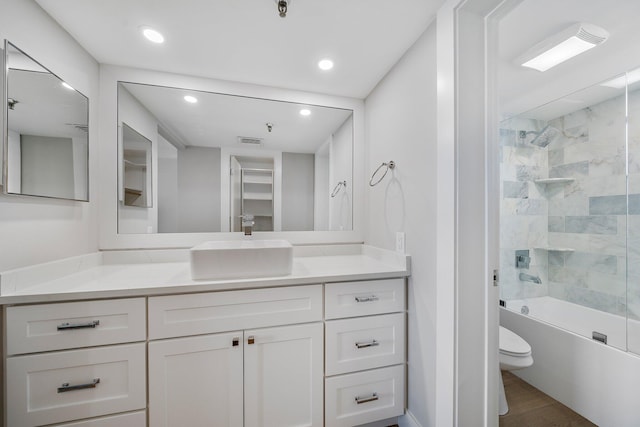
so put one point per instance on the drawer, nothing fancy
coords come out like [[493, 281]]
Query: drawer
[[364, 343], [364, 397], [71, 385], [36, 328], [133, 419], [194, 314], [353, 299]]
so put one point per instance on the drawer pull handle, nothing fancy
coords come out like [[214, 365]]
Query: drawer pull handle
[[66, 326], [235, 342], [367, 299], [251, 339], [373, 343], [360, 400], [66, 387]]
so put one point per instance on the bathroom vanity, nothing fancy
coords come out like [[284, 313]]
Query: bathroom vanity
[[128, 338]]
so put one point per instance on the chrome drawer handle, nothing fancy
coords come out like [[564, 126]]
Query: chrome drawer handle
[[360, 400], [367, 299], [373, 343], [66, 387], [66, 326]]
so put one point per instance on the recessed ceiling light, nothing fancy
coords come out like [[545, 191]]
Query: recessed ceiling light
[[152, 35], [325, 64], [67, 85], [190, 99], [560, 47], [305, 112]]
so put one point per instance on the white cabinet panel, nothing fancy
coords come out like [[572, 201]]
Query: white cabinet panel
[[196, 381], [194, 314], [68, 385], [364, 397], [352, 299], [283, 376], [36, 328], [134, 419], [364, 343]]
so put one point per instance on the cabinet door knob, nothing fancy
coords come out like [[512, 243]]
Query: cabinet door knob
[[251, 339]]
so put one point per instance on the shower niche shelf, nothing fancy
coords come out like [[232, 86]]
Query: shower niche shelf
[[547, 181], [554, 249]]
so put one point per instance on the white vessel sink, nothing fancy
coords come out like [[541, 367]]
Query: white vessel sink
[[240, 259]]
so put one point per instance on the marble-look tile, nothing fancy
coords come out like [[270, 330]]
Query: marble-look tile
[[591, 224], [528, 172], [608, 205], [556, 157], [585, 261], [571, 120], [556, 258], [570, 170], [570, 276], [606, 283], [612, 244], [556, 224], [508, 137], [605, 185], [515, 190], [614, 165], [634, 204], [593, 151], [576, 241], [574, 205], [596, 300]]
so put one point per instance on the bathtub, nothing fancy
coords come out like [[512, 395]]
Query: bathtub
[[600, 382]]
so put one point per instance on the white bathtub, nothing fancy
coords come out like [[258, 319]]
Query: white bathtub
[[598, 381], [575, 318]]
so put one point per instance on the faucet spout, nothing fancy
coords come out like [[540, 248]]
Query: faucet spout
[[529, 278]]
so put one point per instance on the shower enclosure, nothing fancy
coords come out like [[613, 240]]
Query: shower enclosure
[[570, 213]]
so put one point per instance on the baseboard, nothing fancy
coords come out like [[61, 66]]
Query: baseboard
[[408, 420]]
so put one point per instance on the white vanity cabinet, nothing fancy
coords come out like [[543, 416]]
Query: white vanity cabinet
[[75, 361], [258, 362], [364, 352]]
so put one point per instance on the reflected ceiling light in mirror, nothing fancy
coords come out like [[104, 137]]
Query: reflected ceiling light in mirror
[[152, 35], [305, 112], [572, 41], [629, 78], [67, 86], [325, 64], [190, 99]]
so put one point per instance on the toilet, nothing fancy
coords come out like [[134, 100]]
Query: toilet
[[515, 353]]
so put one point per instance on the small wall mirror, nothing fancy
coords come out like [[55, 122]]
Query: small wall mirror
[[46, 144], [136, 167], [217, 156]]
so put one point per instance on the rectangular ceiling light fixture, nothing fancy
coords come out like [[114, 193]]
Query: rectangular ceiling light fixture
[[572, 41]]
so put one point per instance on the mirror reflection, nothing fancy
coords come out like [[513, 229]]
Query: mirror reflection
[[216, 157], [46, 144], [136, 165]]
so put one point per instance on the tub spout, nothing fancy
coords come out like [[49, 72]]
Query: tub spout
[[529, 278]]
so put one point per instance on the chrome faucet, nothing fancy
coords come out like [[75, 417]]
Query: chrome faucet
[[247, 224], [529, 278]]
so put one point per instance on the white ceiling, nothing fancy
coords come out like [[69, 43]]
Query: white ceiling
[[217, 120], [523, 89], [246, 40]]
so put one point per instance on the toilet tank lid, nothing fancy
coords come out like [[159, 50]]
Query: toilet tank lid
[[512, 342]]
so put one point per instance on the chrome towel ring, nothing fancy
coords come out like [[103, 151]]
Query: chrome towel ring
[[337, 188], [389, 165]]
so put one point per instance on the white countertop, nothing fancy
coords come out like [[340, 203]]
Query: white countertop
[[114, 274]]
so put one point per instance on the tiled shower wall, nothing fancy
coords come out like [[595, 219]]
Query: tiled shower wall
[[576, 231]]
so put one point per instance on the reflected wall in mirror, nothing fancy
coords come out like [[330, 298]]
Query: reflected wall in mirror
[[216, 157], [136, 168], [46, 143]]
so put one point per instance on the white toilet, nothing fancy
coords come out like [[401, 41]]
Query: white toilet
[[515, 353]]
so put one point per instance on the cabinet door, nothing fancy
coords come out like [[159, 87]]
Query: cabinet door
[[283, 376], [196, 381]]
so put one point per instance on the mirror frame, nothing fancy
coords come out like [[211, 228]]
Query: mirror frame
[[4, 145], [110, 239]]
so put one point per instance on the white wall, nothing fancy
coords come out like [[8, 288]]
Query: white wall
[[35, 230], [340, 169], [199, 189], [47, 163], [297, 191], [321, 191], [400, 125]]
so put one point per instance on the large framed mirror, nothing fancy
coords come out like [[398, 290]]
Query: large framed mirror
[[46, 144], [216, 156]]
